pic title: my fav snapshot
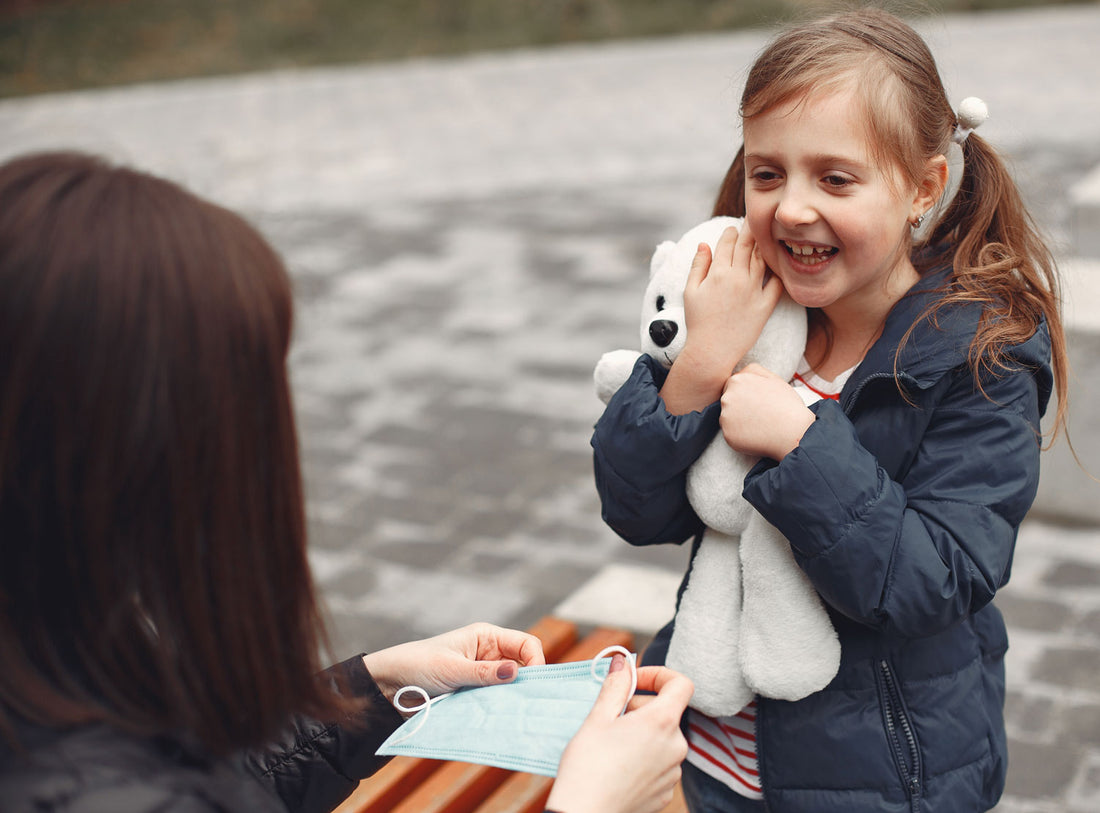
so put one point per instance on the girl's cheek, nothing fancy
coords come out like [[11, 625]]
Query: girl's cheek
[[759, 222]]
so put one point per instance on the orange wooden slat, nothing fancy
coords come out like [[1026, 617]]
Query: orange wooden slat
[[520, 793], [600, 638], [556, 634], [382, 792], [527, 793], [457, 787]]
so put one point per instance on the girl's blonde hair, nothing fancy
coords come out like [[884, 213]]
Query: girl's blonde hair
[[986, 234]]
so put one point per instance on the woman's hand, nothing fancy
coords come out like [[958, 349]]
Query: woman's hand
[[762, 415], [727, 300], [476, 655], [628, 763]]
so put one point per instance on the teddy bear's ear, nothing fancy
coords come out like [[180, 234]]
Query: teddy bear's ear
[[660, 256]]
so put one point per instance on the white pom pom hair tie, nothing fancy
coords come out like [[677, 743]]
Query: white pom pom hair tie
[[971, 114]]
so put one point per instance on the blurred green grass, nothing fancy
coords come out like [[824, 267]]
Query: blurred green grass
[[55, 45]]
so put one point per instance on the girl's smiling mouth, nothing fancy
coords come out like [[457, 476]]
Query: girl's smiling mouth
[[808, 253]]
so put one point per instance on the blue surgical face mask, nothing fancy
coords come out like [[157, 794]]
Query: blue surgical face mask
[[522, 726]]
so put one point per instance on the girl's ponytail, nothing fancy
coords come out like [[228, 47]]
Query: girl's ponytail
[[1000, 260]]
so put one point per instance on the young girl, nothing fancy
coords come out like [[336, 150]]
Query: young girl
[[159, 633], [934, 330]]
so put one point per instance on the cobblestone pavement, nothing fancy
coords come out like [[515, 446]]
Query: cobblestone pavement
[[468, 235]]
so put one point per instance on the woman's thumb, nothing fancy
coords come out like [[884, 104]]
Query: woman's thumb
[[490, 673], [615, 692]]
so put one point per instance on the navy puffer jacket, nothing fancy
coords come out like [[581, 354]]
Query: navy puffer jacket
[[902, 504], [98, 769]]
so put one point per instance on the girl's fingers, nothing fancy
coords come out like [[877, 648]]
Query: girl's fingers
[[757, 266], [700, 264], [756, 369], [772, 287], [745, 240], [725, 248], [747, 256]]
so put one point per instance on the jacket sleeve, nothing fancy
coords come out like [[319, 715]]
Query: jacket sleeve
[[315, 765], [641, 455], [917, 555]]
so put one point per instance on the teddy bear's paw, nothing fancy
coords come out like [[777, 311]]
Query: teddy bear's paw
[[801, 661], [704, 644], [721, 699], [789, 648], [612, 371]]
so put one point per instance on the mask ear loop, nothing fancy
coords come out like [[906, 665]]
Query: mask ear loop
[[631, 661], [425, 705]]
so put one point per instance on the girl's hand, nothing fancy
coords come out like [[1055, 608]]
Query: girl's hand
[[762, 415], [476, 655], [727, 300], [628, 763]]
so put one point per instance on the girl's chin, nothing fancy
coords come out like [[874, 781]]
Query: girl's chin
[[806, 295]]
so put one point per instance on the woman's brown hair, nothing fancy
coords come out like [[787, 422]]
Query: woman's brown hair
[[153, 571], [986, 234]]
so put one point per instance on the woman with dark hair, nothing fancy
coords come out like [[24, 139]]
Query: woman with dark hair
[[158, 626]]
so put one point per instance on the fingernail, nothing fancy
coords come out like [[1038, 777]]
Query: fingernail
[[506, 671], [617, 662]]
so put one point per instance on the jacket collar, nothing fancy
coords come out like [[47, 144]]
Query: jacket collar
[[937, 344]]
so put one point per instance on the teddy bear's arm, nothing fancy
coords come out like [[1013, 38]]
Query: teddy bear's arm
[[612, 371]]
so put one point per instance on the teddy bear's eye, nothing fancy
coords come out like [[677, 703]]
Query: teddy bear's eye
[[660, 303]]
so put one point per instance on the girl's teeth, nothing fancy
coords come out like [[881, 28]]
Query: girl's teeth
[[807, 250], [810, 255]]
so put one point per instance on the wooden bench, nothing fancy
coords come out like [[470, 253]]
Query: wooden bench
[[412, 785]]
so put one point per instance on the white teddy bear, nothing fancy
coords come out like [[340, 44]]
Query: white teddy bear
[[749, 621]]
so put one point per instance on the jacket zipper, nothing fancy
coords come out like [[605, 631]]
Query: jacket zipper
[[903, 740], [760, 703]]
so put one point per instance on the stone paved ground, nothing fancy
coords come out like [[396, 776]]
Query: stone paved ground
[[468, 235]]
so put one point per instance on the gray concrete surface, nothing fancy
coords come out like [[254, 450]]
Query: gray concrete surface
[[468, 235]]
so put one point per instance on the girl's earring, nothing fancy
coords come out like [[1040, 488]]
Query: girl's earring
[[916, 224]]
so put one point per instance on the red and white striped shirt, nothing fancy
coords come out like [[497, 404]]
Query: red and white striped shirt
[[725, 747]]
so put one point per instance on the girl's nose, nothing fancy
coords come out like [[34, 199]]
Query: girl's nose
[[795, 208]]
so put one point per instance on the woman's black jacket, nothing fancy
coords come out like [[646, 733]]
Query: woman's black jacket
[[97, 769]]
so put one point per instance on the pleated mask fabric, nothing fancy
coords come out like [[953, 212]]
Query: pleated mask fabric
[[522, 726]]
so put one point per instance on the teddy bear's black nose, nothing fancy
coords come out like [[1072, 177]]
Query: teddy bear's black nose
[[662, 331]]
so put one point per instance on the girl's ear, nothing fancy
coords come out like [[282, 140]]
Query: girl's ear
[[931, 186]]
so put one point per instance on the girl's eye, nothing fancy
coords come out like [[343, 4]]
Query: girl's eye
[[660, 303], [836, 181], [765, 176]]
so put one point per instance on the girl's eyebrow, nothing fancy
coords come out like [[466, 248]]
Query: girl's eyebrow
[[818, 159]]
